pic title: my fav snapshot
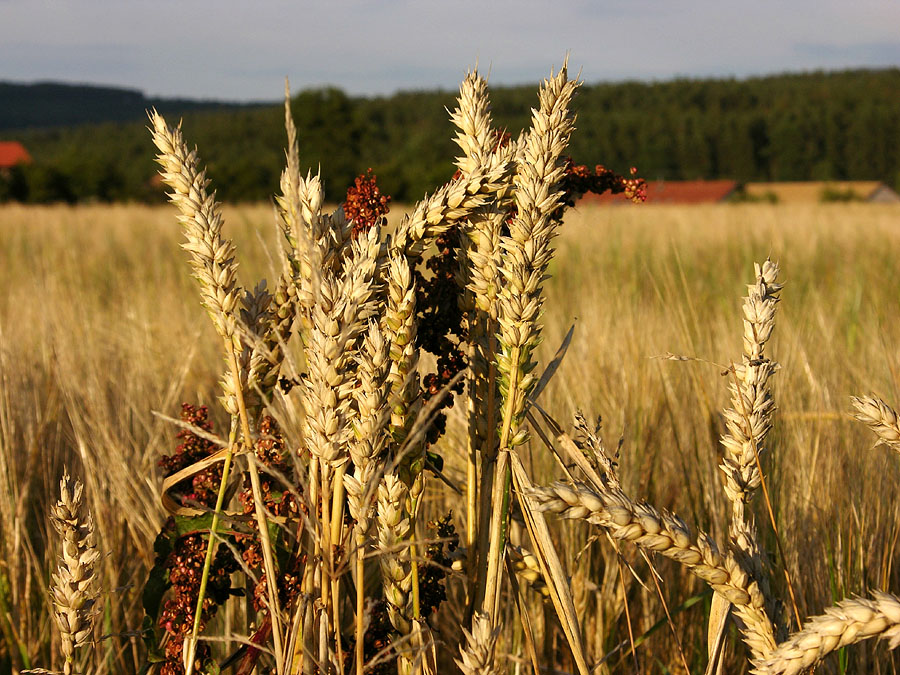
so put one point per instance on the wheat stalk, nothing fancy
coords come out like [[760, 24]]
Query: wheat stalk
[[526, 254]]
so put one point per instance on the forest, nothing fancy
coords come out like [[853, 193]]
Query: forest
[[810, 126]]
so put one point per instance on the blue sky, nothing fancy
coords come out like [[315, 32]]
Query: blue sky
[[243, 50]]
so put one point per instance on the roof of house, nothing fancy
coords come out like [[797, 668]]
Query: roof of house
[[12, 153], [814, 191], [676, 192]]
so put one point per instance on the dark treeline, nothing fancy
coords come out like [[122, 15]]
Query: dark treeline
[[843, 125], [56, 104]]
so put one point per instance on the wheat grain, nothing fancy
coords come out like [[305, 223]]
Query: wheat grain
[[393, 531]]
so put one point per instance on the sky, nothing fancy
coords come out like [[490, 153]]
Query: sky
[[231, 50]]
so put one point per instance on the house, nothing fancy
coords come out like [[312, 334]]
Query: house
[[675, 192], [810, 192], [12, 153]]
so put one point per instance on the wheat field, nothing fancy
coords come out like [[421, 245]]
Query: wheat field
[[101, 329]]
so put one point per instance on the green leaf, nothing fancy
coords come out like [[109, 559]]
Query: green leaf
[[190, 524], [434, 461], [152, 637], [158, 577]]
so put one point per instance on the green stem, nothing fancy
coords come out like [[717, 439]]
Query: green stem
[[9, 631], [259, 511], [479, 516], [413, 553], [337, 538], [306, 663], [360, 603], [211, 547]]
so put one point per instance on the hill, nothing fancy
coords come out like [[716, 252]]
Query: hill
[[55, 104], [826, 126]]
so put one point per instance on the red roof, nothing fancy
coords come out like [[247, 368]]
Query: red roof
[[12, 153], [675, 192]]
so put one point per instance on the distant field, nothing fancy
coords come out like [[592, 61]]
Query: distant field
[[100, 325]]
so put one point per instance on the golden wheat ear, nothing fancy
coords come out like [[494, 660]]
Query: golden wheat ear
[[74, 591]]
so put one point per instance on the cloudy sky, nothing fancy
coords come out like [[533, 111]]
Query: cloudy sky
[[242, 50]]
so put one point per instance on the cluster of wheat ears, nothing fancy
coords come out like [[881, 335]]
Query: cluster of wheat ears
[[329, 431]]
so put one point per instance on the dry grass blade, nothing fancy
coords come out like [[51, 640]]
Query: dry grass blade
[[550, 564], [553, 366]]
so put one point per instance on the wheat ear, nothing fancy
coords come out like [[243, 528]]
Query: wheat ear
[[846, 623], [748, 421], [74, 590], [396, 564], [487, 178], [212, 259], [367, 446], [880, 418], [255, 319], [212, 256], [407, 451], [477, 654], [668, 535], [478, 280]]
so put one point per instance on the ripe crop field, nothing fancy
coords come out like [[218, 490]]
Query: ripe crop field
[[390, 457], [100, 327]]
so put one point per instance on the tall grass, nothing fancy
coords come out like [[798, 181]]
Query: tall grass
[[99, 328]]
